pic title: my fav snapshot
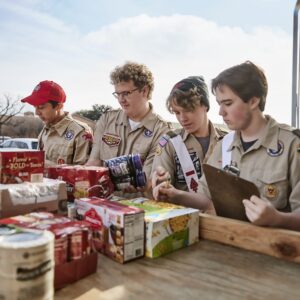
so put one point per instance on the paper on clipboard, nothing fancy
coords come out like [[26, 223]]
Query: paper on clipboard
[[227, 192]]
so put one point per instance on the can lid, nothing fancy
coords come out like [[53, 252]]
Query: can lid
[[6, 230], [26, 239]]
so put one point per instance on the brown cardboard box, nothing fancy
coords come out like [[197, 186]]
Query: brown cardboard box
[[17, 199]]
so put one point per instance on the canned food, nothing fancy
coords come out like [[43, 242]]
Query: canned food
[[126, 170]]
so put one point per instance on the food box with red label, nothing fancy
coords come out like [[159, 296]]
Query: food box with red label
[[20, 166], [118, 230], [83, 181]]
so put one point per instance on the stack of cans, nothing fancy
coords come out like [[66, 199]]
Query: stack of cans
[[126, 170]]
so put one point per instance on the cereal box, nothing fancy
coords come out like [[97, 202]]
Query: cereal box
[[83, 181], [20, 166], [168, 227], [118, 230]]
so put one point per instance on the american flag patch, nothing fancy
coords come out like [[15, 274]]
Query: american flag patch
[[162, 142]]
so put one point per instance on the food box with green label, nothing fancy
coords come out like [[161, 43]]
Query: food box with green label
[[168, 227]]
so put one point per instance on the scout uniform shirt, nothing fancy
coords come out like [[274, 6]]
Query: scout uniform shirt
[[272, 164], [66, 142], [114, 137], [167, 158]]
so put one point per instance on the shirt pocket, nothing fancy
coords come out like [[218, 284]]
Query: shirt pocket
[[275, 188], [61, 153], [108, 152], [142, 148]]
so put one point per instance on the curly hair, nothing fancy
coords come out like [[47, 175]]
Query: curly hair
[[138, 73]]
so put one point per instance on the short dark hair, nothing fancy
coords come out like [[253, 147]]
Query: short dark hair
[[246, 80], [53, 103]]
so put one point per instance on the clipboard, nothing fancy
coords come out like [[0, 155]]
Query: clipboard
[[227, 192]]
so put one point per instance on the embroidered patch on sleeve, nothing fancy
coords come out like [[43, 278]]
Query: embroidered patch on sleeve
[[69, 135], [87, 136], [163, 141]]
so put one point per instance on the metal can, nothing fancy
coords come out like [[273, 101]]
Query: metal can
[[127, 170], [26, 265]]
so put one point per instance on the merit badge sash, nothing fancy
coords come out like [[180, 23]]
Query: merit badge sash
[[186, 162]]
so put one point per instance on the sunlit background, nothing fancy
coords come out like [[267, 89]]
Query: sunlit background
[[78, 42]]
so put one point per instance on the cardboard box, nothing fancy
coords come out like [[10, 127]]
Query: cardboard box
[[83, 181], [74, 270], [17, 199], [168, 227], [118, 230], [20, 166]]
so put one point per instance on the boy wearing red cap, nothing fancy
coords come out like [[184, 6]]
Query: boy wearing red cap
[[64, 140]]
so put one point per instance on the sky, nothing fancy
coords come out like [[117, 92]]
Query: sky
[[77, 43]]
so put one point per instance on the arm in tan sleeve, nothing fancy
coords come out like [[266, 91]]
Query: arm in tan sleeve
[[215, 160], [294, 175], [158, 133], [83, 146], [94, 158], [164, 158]]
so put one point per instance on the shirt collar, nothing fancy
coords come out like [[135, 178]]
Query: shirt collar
[[148, 121], [62, 125], [213, 134], [268, 139]]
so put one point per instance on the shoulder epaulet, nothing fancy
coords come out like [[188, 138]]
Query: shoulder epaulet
[[171, 134], [296, 132], [81, 124]]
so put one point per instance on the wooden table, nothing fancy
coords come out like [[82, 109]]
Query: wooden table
[[207, 270]]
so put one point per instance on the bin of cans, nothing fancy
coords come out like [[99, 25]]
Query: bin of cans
[[126, 170]]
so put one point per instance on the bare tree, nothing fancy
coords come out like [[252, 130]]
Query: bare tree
[[8, 109]]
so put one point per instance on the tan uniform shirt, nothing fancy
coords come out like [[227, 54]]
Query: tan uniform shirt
[[272, 164], [114, 137], [66, 142], [167, 158]]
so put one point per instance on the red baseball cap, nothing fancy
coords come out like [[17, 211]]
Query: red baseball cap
[[45, 91]]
